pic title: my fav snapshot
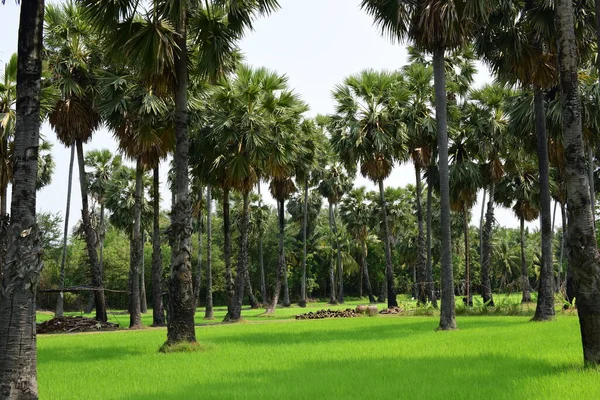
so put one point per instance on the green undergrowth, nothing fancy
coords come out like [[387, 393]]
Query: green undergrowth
[[382, 358]]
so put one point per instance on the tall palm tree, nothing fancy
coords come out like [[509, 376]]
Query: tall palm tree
[[365, 130], [334, 184], [70, 51], [355, 213], [435, 26], [581, 240], [23, 265]]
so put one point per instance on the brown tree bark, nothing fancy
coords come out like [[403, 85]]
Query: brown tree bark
[[302, 302], [208, 312], [486, 254], [158, 313], [135, 316], [421, 282], [389, 271], [365, 269], [242, 265], [60, 298]]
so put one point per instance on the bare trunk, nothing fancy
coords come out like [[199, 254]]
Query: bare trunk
[[90, 238], [281, 262], [447, 312], [389, 271], [242, 265], [286, 289], [428, 265], [582, 250], [302, 302], [366, 272], [143, 299], [526, 298], [60, 300], [545, 301], [23, 262], [486, 259], [421, 279], [332, 297], [198, 279], [261, 265], [135, 316], [467, 257], [158, 314], [592, 168], [251, 297], [209, 313], [229, 284], [340, 265], [481, 224], [4, 217]]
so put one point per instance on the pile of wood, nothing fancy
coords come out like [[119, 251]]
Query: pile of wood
[[321, 314], [74, 324], [393, 310]]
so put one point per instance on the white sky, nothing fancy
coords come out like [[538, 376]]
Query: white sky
[[315, 42]]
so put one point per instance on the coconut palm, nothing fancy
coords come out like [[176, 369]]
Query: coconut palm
[[435, 26], [70, 51], [365, 130], [334, 184], [355, 213], [22, 265]]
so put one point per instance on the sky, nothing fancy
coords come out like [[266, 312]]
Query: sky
[[316, 43]]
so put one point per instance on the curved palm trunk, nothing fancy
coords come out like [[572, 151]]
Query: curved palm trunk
[[181, 309], [143, 299], [281, 262], [135, 316], [302, 302], [158, 314], [421, 281], [389, 272], [365, 269], [90, 238], [229, 284], [486, 255], [332, 298], [467, 257], [23, 263], [261, 265], [242, 265], [209, 313], [447, 312], [545, 302], [581, 239], [428, 264], [60, 298], [340, 265], [524, 270], [198, 279]]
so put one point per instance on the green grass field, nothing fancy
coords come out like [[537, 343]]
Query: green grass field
[[385, 357]]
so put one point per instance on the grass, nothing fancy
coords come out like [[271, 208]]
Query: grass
[[383, 357]]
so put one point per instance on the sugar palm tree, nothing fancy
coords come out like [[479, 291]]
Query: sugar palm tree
[[355, 213], [70, 51], [435, 26], [365, 130], [22, 265]]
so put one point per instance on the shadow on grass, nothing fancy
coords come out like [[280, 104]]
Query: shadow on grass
[[491, 376]]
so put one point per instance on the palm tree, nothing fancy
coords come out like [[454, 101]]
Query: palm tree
[[73, 116], [365, 130], [22, 265], [435, 26], [581, 240], [334, 184], [355, 213]]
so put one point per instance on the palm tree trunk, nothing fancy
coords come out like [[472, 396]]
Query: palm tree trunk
[[90, 237], [242, 265], [429, 262], [251, 297], [389, 272], [182, 308], [143, 299], [582, 249], [366, 272], [286, 288], [198, 279], [209, 313], [382, 291], [229, 284], [447, 312], [23, 263], [135, 317], [60, 299], [340, 265], [524, 270], [481, 224], [4, 218], [545, 302], [486, 255], [302, 302], [421, 280], [332, 298], [281, 262], [261, 265], [158, 314], [467, 256], [592, 168]]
